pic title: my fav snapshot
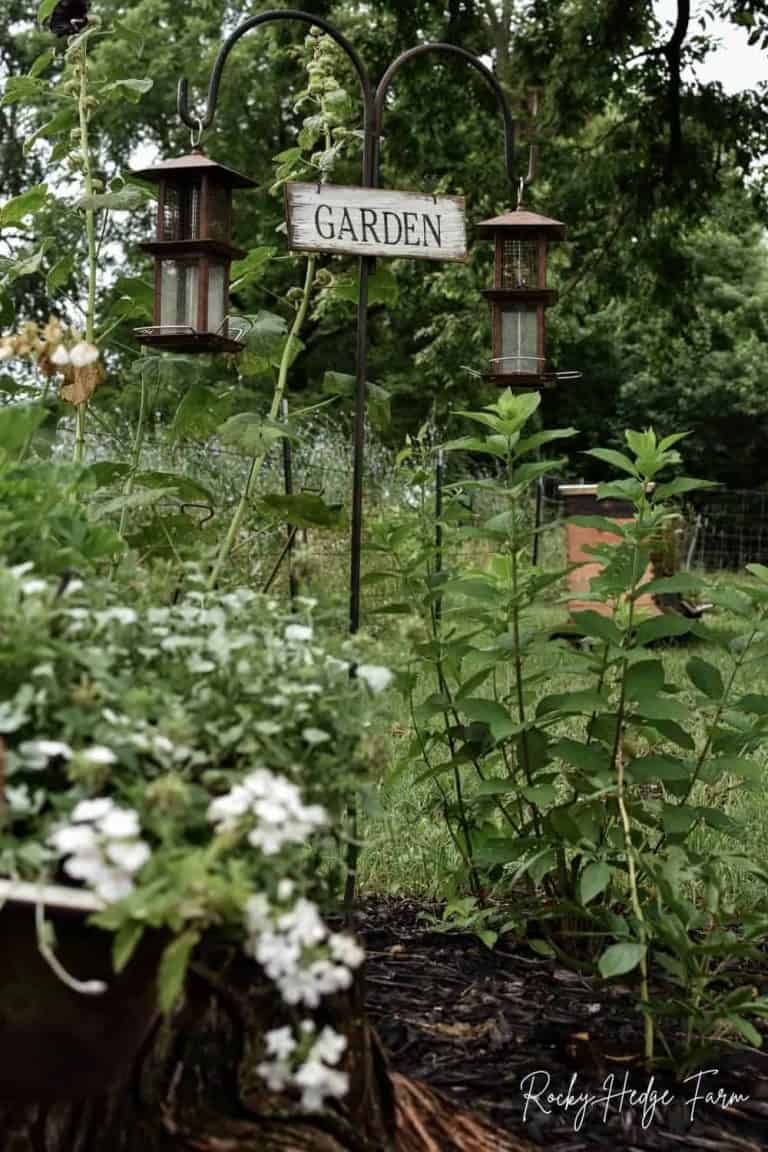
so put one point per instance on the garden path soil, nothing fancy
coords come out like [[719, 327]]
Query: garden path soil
[[472, 1023]]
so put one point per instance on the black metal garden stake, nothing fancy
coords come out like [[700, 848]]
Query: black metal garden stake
[[185, 315]]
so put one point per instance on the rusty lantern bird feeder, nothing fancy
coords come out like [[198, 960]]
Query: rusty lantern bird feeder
[[193, 253], [519, 298]]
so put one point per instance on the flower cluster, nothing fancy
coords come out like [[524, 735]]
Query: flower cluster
[[56, 350], [274, 808], [306, 1062], [102, 847], [306, 961]]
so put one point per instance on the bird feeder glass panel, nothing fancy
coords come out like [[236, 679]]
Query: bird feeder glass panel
[[519, 339], [218, 284], [179, 293]]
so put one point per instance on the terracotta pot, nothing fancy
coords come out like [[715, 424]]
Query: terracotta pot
[[55, 1043]]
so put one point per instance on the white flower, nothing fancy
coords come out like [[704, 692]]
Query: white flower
[[329, 1047], [113, 885], [95, 809], [20, 570], [73, 838], [276, 1074], [375, 676], [60, 356], [346, 950], [83, 354], [298, 633], [318, 1081], [120, 824], [120, 614], [85, 866], [99, 754], [280, 1043], [315, 736], [257, 914], [285, 889], [72, 586], [19, 799], [46, 749], [162, 743], [130, 857], [34, 587], [227, 810]]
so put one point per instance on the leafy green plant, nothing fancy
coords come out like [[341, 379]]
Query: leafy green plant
[[187, 762], [583, 771]]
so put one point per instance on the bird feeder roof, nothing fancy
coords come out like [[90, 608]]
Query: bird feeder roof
[[522, 219], [190, 164]]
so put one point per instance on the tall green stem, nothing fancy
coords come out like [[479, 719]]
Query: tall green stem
[[136, 458], [90, 234], [617, 763], [274, 411]]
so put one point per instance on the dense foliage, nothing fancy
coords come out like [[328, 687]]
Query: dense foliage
[[656, 173]]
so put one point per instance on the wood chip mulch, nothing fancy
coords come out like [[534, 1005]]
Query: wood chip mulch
[[473, 1023]]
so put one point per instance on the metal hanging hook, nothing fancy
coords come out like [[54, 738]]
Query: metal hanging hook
[[195, 136]]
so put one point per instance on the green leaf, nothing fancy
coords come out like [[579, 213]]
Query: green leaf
[[540, 795], [183, 486], [589, 758], [616, 459], [125, 943], [252, 433], [144, 498], [646, 769], [620, 958], [542, 947], [672, 731], [593, 880], [644, 677], [106, 472], [252, 267], [489, 712], [573, 703], [14, 210], [746, 1030], [602, 523], [487, 936], [531, 443], [264, 342], [42, 62], [679, 486], [752, 702], [60, 273], [45, 9], [28, 265], [133, 90], [678, 819], [19, 422], [682, 582], [599, 627], [22, 90], [305, 510], [706, 677], [661, 628], [173, 969], [759, 571]]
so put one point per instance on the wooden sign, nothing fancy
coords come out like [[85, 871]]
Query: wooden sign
[[375, 222]]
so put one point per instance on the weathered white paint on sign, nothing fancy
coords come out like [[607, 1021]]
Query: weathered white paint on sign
[[375, 222]]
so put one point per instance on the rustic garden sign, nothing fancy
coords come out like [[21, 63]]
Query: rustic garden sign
[[375, 222]]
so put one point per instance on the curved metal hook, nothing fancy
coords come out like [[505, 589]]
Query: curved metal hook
[[182, 100], [477, 64]]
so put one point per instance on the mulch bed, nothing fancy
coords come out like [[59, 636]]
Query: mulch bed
[[473, 1023]]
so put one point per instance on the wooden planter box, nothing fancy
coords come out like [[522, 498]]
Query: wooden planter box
[[581, 500], [55, 1043]]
